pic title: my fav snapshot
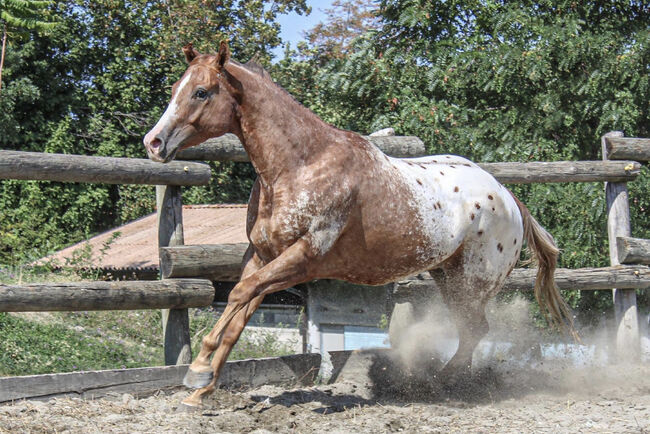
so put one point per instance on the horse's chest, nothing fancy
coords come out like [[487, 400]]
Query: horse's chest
[[278, 228]]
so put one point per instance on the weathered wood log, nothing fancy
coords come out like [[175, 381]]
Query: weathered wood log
[[299, 369], [618, 225], [229, 148], [627, 148], [523, 279], [218, 262], [563, 171], [175, 322], [169, 208], [633, 250], [222, 262], [118, 295], [40, 166], [621, 276], [224, 148]]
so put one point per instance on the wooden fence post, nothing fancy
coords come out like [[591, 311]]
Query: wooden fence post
[[618, 225], [175, 322]]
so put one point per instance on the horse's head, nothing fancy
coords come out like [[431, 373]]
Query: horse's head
[[203, 105]]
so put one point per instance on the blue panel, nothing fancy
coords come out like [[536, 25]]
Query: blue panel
[[357, 337]]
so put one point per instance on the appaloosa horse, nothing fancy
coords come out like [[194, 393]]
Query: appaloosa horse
[[328, 204]]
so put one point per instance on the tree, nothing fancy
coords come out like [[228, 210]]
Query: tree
[[250, 26], [346, 20], [506, 81], [16, 15], [94, 85], [329, 42]]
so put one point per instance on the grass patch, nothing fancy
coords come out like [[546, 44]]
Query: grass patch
[[32, 347], [41, 343]]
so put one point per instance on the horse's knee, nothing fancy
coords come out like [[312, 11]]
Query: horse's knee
[[208, 343]]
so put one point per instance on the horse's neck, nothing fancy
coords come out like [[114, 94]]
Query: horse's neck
[[278, 133]]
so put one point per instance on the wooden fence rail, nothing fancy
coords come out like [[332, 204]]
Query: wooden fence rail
[[117, 295], [633, 250], [299, 369], [185, 293], [218, 262], [627, 148], [222, 262], [40, 166], [229, 148], [563, 171], [523, 279]]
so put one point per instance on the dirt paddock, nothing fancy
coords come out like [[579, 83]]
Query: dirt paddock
[[384, 399]]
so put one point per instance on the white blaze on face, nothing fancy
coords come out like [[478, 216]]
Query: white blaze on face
[[170, 114]]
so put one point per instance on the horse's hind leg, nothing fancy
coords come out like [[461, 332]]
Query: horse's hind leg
[[468, 312], [466, 295]]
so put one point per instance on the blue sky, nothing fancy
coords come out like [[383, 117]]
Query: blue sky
[[293, 25]]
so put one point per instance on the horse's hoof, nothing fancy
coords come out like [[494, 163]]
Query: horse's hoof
[[454, 376], [188, 408], [197, 380]]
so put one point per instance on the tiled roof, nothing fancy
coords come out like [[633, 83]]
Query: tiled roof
[[136, 248]]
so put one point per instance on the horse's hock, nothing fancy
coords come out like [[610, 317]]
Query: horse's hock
[[364, 310]]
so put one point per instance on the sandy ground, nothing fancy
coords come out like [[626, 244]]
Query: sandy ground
[[548, 399]]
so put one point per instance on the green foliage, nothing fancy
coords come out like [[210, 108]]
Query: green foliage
[[33, 347], [76, 341], [18, 15], [501, 81], [346, 20], [26, 14], [94, 85]]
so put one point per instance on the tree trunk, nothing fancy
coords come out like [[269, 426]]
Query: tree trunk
[[2, 58]]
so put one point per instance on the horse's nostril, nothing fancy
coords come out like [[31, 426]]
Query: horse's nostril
[[155, 143]]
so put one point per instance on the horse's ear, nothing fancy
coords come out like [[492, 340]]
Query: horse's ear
[[224, 54], [190, 52]]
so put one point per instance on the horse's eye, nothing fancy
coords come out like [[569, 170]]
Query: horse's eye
[[201, 93]]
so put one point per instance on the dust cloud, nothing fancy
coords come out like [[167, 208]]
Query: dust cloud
[[516, 357]]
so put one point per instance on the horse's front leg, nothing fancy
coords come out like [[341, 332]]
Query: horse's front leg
[[205, 380], [200, 373], [288, 269]]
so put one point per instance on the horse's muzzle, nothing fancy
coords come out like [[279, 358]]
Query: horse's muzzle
[[158, 150]]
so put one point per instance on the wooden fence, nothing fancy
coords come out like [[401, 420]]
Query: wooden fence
[[174, 296], [187, 271], [629, 257]]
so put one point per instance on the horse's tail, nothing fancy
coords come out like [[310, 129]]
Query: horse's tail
[[545, 252]]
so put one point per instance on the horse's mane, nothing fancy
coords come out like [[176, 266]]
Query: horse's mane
[[253, 66]]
